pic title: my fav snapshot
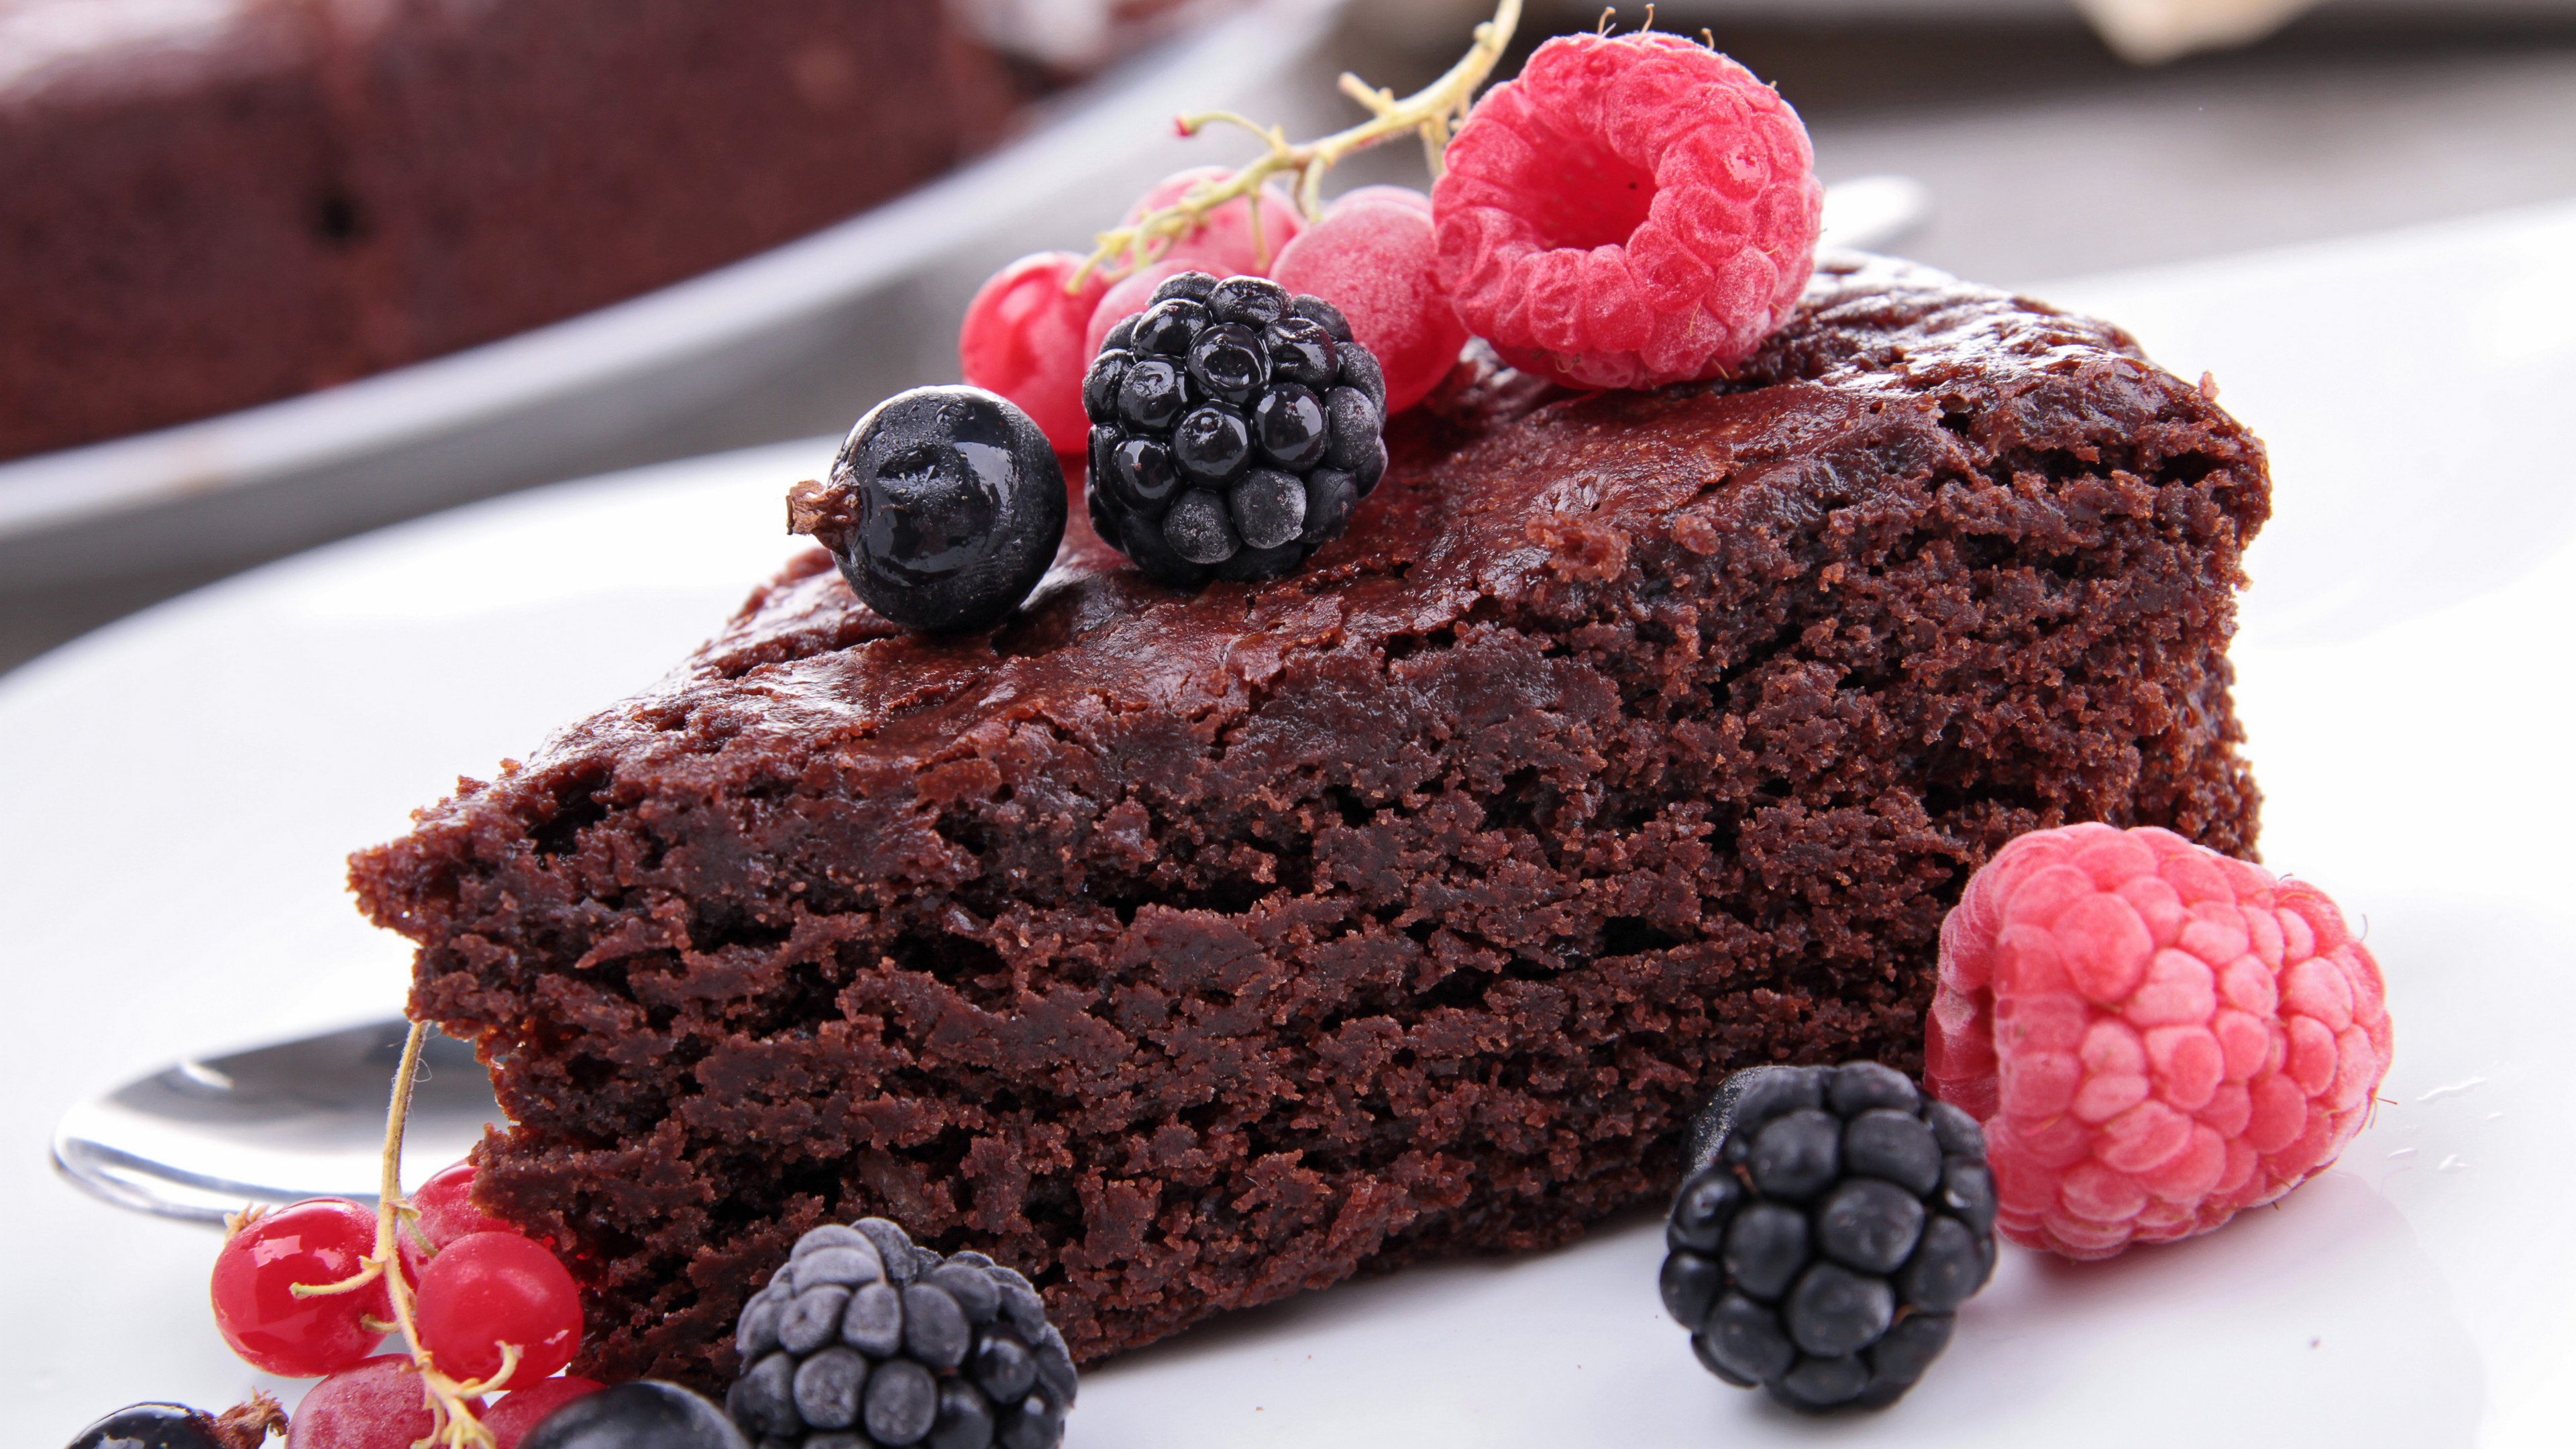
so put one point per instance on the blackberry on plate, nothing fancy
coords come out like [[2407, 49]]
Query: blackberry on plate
[[863, 1338], [1832, 1221], [945, 507], [1234, 428]]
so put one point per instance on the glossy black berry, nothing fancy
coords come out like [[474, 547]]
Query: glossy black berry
[[150, 1426], [644, 1414], [1831, 1224], [944, 508], [1234, 430], [947, 1352]]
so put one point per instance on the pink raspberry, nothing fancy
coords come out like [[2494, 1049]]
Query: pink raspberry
[[1371, 257], [2156, 1036], [1632, 210]]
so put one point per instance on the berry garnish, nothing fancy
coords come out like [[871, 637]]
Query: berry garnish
[[1228, 239], [1632, 210], [522, 1409], [862, 1332], [2158, 1036], [1372, 258], [1234, 428], [1023, 338], [487, 1290], [945, 507], [377, 1403], [176, 1426], [312, 1244], [1832, 1222], [645, 1414], [444, 1211]]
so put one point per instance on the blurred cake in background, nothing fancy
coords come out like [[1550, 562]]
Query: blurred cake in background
[[217, 203]]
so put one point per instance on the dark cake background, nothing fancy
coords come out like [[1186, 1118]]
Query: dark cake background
[[293, 193]]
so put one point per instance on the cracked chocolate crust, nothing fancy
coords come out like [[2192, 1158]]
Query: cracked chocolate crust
[[1189, 951]]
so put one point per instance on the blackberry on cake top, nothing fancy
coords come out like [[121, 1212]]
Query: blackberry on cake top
[[1234, 428], [1831, 1224]]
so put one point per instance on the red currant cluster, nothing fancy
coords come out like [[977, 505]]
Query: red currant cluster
[[1370, 254], [308, 1290]]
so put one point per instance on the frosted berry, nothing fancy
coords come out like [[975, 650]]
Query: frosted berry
[[645, 1414], [487, 1289], [1632, 210], [1831, 1223], [862, 1332], [1222, 242], [522, 1409], [2157, 1036], [378, 1403], [1234, 428], [1023, 338], [1372, 257], [944, 508], [317, 1242]]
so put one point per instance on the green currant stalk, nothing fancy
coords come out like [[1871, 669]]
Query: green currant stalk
[[1431, 113]]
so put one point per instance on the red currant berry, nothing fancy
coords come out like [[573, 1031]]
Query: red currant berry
[[1023, 339], [488, 1289], [377, 1404], [1363, 195], [522, 1409], [1125, 298], [447, 1212], [1222, 241], [1374, 258], [315, 1243]]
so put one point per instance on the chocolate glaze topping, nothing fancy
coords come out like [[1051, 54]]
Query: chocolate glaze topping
[[1188, 951]]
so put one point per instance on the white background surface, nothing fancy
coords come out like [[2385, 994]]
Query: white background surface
[[177, 793]]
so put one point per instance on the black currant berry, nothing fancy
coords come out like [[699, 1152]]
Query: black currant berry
[[1831, 1223], [644, 1414], [150, 1426], [1234, 428], [946, 504]]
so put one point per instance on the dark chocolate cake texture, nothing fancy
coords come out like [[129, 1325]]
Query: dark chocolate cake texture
[[1187, 951]]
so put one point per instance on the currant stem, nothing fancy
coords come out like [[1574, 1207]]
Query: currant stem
[[452, 1423], [1428, 112]]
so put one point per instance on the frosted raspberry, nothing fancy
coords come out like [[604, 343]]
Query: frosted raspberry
[[1222, 244], [1023, 338], [1371, 257], [1632, 210], [2156, 1036]]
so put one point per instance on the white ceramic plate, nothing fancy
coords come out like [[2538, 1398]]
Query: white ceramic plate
[[179, 790]]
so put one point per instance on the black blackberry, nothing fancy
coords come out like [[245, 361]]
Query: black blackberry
[[863, 1338], [1831, 1223], [1234, 428]]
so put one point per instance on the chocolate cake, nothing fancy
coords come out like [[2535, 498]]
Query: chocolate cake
[[1189, 951], [211, 206]]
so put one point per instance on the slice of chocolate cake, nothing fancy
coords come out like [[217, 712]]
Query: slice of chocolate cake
[[1187, 952]]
